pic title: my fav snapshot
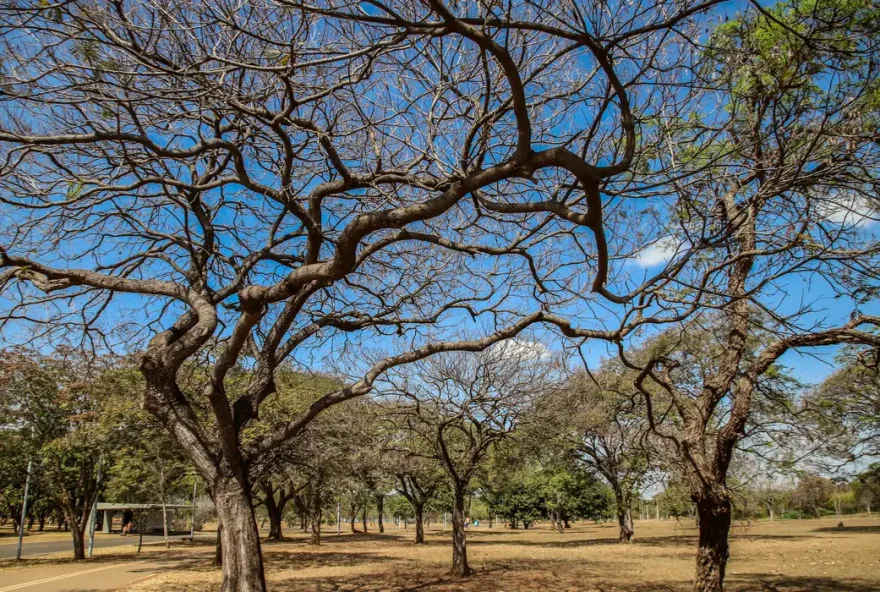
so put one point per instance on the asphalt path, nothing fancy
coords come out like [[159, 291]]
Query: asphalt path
[[80, 577], [35, 547]]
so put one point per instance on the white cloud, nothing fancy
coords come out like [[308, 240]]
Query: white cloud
[[661, 251], [521, 349], [847, 210]]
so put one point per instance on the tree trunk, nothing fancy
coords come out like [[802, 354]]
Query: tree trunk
[[42, 521], [624, 520], [713, 549], [380, 506], [315, 537], [164, 509], [218, 548], [459, 537], [79, 543], [275, 515], [240, 538], [364, 518], [420, 523], [838, 511], [770, 511]]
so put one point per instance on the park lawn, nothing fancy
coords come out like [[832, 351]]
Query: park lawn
[[783, 556]]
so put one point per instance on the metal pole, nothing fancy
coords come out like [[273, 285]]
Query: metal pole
[[192, 524], [27, 486], [94, 514]]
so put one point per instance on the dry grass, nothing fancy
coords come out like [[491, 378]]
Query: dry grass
[[9, 536], [808, 555]]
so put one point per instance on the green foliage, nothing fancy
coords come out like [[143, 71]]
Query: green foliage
[[675, 499], [813, 494], [397, 505], [525, 495], [866, 487], [844, 410]]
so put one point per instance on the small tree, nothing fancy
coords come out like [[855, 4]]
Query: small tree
[[460, 405], [867, 487], [813, 493], [608, 430]]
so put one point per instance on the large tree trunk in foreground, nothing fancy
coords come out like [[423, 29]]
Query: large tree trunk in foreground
[[460, 565], [713, 548], [240, 539], [420, 523], [79, 543]]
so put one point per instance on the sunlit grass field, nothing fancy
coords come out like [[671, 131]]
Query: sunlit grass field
[[783, 556]]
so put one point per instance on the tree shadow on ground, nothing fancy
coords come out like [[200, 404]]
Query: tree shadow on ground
[[497, 578], [686, 540], [414, 578], [785, 583], [305, 559], [492, 577], [350, 538], [872, 529]]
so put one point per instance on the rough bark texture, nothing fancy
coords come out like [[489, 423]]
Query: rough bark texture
[[713, 548], [79, 550], [240, 540], [460, 565]]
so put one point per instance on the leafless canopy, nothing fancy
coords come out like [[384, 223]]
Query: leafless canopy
[[273, 179]]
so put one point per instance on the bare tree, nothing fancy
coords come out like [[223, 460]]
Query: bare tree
[[413, 463], [211, 183], [783, 204], [460, 405], [611, 436], [274, 498]]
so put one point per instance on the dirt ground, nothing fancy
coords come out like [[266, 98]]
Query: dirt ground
[[783, 556], [806, 555]]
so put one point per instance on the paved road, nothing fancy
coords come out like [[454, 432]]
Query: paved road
[[79, 577], [32, 548]]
